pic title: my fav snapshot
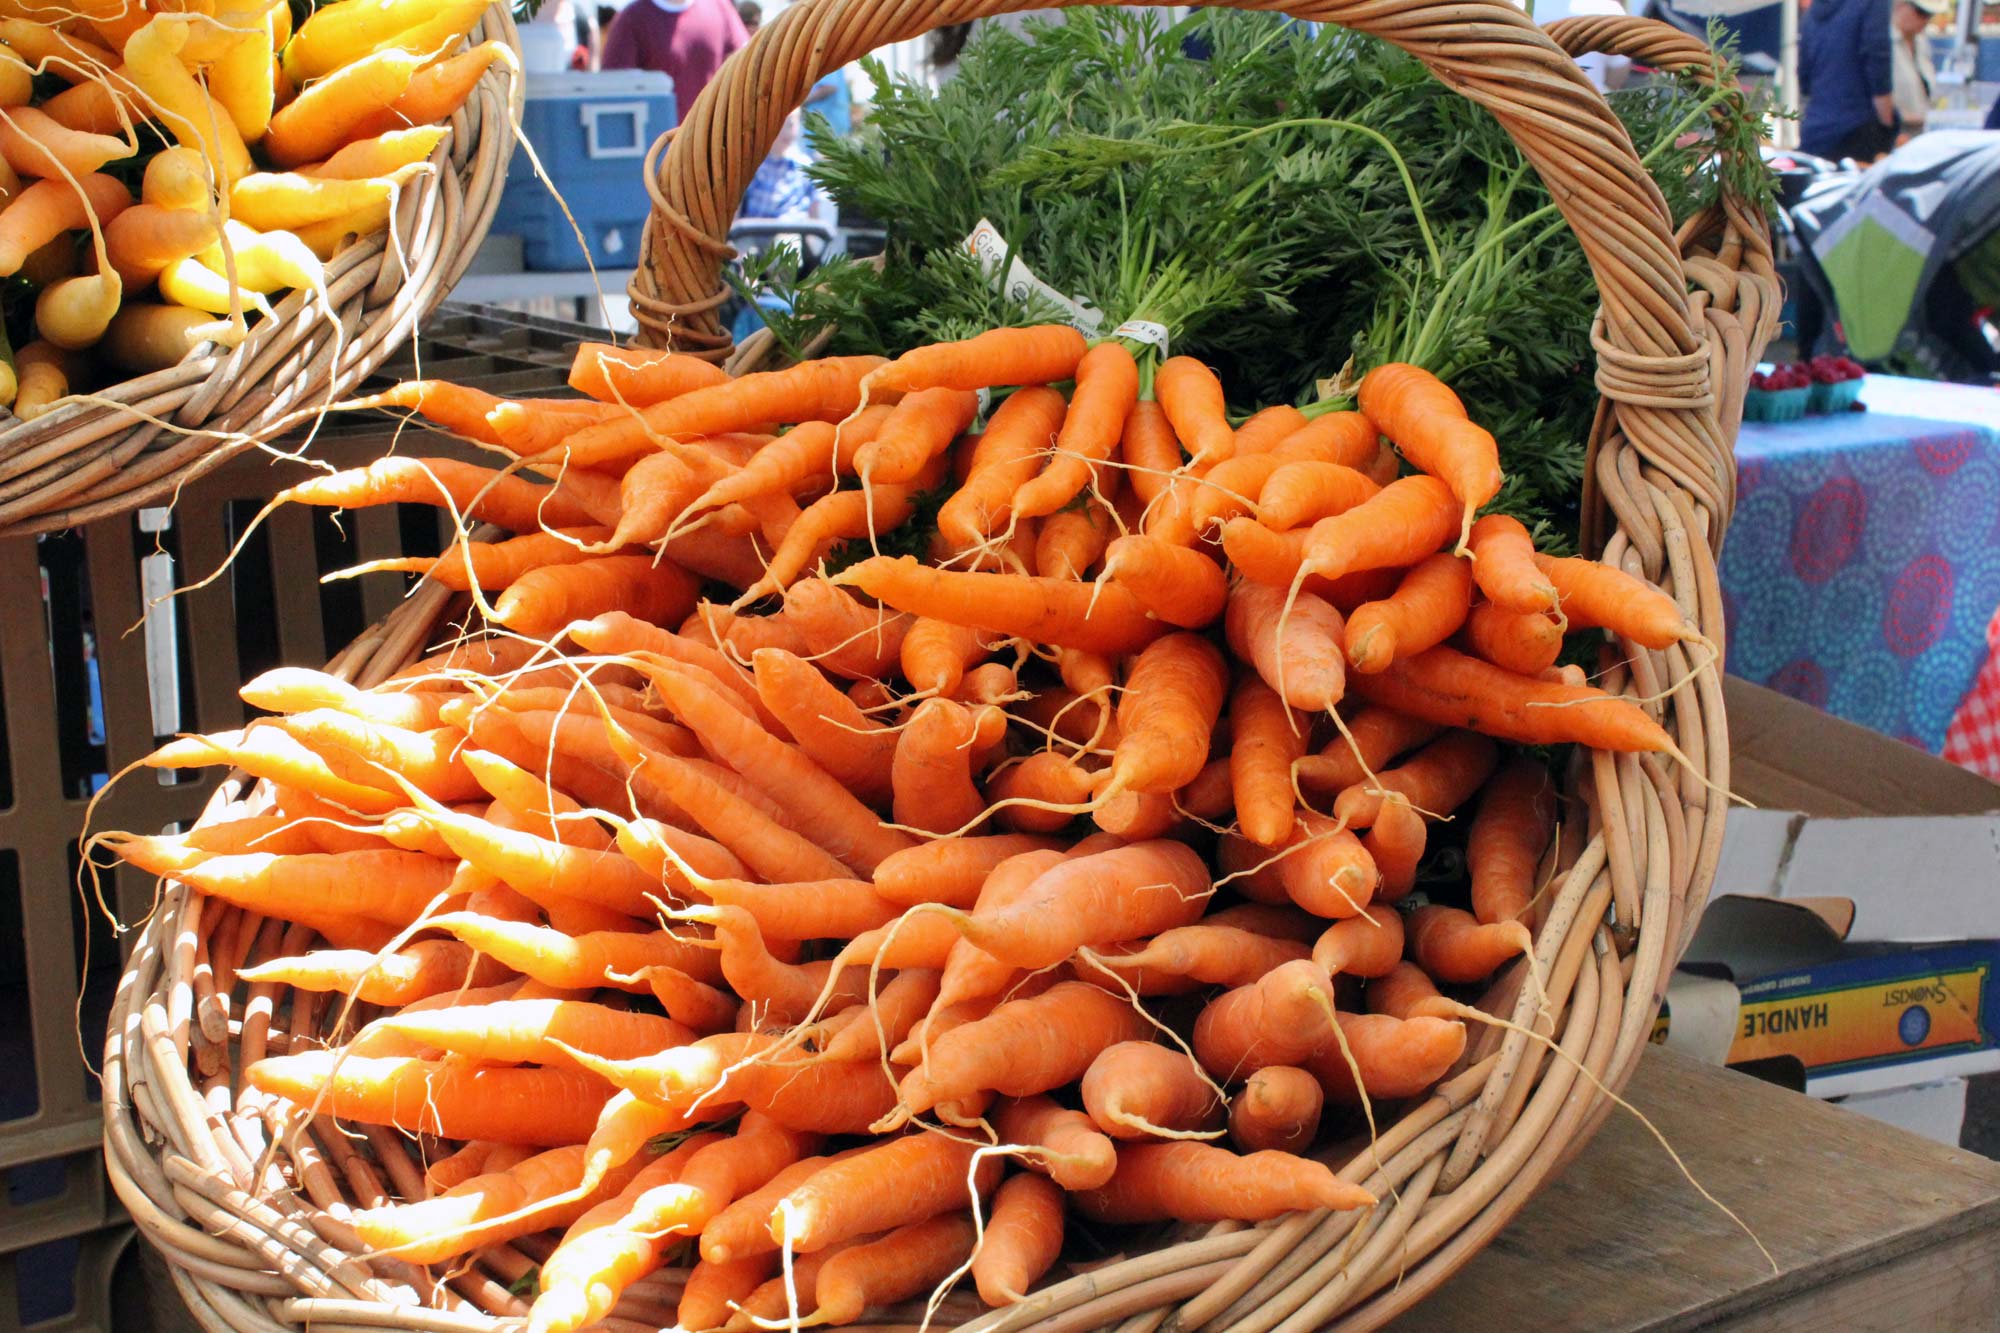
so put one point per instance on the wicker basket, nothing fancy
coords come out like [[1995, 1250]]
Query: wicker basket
[[246, 1197], [136, 443]]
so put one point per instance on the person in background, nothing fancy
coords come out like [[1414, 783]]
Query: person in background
[[1912, 61], [1848, 77], [687, 40], [832, 98], [752, 15], [781, 188]]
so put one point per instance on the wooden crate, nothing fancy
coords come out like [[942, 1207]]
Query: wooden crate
[[91, 679]]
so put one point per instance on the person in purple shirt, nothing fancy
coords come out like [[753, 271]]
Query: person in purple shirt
[[687, 40], [1847, 73]]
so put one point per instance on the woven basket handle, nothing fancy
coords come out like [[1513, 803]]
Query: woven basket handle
[[1653, 362]]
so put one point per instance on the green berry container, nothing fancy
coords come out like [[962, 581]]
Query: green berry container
[[1835, 397], [1774, 405]]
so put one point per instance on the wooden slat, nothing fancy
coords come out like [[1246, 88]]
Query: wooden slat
[[1872, 1228]]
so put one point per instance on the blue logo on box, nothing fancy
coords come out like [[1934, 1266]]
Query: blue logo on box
[[1914, 1025]]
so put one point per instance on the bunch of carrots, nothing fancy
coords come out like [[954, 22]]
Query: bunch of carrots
[[827, 926], [200, 160]]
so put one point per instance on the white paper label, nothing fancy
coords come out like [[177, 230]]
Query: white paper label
[[1019, 282], [1144, 331]]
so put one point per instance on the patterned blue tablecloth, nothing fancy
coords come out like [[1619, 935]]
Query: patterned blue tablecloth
[[1864, 560]]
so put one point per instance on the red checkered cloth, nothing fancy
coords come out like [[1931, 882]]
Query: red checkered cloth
[[1973, 740]]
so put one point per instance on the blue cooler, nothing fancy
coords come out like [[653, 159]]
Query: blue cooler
[[591, 132]]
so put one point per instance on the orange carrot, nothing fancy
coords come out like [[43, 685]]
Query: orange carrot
[[1503, 563], [949, 871], [842, 824], [543, 600], [1069, 542], [358, 751], [615, 1243], [1427, 608], [478, 494], [1398, 1058], [1179, 585], [414, 972], [1425, 420], [1596, 596], [546, 1107], [821, 1096], [1004, 461], [639, 376], [881, 1025], [267, 752], [1096, 899], [1023, 1238], [825, 390], [1150, 450], [920, 428], [1042, 779], [1265, 430], [581, 962], [818, 909], [1347, 438], [989, 683], [835, 518], [715, 1291], [971, 973], [1173, 696], [48, 208], [1039, 354], [845, 637], [1064, 1143], [494, 565], [1049, 611], [1381, 733], [936, 653], [1139, 1089], [840, 738], [1191, 396], [1307, 491], [1107, 386], [1209, 952], [907, 1262], [940, 752], [145, 238], [1368, 945], [1454, 947], [1279, 1019], [1024, 1046], [1503, 848], [1452, 689], [1524, 642], [693, 1004], [438, 90], [1299, 656], [885, 1185], [499, 1201], [1265, 740], [392, 887], [526, 1031], [1436, 780], [1406, 521], [1195, 1182], [742, 1230], [1396, 844], [1277, 1108], [1402, 992]]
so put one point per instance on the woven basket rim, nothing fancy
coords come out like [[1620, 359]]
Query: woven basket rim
[[1461, 1161], [96, 457]]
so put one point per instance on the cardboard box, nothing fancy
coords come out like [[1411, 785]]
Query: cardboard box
[[1855, 923]]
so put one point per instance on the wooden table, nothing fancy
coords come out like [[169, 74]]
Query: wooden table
[[1872, 1228]]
